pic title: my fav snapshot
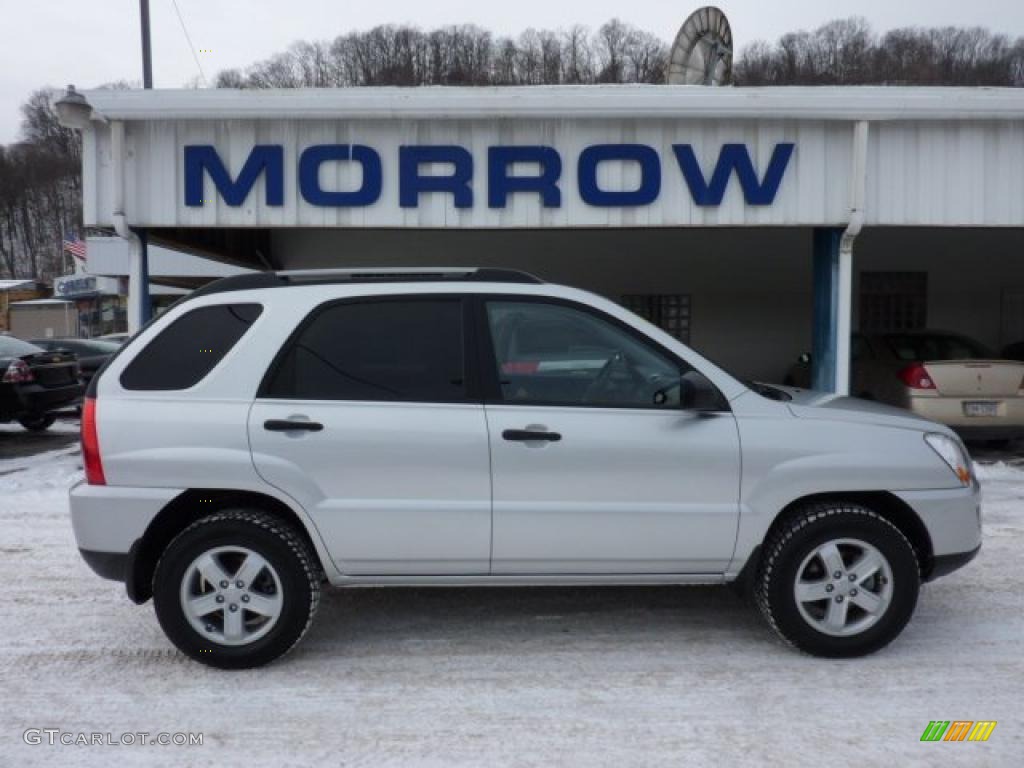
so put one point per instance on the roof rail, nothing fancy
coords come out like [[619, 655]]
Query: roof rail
[[365, 275], [402, 274]]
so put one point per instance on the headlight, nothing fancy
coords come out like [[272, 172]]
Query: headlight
[[951, 452]]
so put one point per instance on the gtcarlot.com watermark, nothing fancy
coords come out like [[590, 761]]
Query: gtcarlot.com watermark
[[56, 737]]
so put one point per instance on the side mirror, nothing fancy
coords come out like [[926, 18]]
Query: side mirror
[[687, 394]]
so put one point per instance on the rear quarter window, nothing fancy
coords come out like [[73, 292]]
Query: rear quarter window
[[189, 348]]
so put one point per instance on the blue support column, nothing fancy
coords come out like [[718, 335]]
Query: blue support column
[[826, 308]]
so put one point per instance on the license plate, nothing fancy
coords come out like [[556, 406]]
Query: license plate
[[981, 409]]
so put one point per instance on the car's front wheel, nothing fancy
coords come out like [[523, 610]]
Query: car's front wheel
[[236, 589], [838, 580]]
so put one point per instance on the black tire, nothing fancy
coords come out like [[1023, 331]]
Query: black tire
[[39, 423], [795, 539], [282, 547]]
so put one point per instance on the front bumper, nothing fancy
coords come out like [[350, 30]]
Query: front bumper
[[952, 518], [944, 564]]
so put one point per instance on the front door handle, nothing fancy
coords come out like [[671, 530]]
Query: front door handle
[[290, 425], [523, 435]]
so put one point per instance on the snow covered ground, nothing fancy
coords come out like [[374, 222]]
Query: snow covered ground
[[530, 677]]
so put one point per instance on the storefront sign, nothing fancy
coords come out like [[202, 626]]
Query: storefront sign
[[81, 285], [69, 287], [417, 177]]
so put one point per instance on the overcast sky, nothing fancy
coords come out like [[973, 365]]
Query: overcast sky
[[89, 42]]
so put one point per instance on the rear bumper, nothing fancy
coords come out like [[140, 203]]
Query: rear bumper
[[108, 565], [35, 399], [1007, 423], [108, 520]]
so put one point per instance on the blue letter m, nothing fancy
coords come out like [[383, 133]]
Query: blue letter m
[[203, 157], [733, 157]]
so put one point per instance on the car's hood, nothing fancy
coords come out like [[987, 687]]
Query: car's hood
[[810, 404]]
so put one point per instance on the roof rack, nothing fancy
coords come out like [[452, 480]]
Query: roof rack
[[365, 275]]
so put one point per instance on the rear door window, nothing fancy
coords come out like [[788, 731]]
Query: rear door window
[[190, 347], [405, 349]]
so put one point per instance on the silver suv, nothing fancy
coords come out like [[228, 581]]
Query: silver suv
[[279, 431]]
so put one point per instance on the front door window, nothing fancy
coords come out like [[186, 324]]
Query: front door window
[[552, 354]]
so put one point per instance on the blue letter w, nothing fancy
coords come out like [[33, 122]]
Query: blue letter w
[[203, 157], [733, 157]]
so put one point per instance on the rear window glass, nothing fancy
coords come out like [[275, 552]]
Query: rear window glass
[[190, 347], [376, 350], [925, 347], [12, 347]]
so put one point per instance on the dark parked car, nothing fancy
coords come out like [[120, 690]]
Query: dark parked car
[[92, 353], [117, 338], [1013, 351], [34, 383]]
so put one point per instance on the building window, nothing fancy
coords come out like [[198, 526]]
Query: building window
[[668, 311], [893, 301]]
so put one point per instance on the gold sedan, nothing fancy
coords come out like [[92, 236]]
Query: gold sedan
[[941, 376]]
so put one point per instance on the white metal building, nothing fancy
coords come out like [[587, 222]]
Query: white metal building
[[754, 223]]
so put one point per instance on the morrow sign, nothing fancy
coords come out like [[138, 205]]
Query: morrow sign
[[416, 164]]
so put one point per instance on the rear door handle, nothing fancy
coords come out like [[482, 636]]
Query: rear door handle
[[290, 425], [523, 435]]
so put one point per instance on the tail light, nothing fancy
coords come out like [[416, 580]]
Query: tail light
[[18, 373], [91, 445], [916, 377]]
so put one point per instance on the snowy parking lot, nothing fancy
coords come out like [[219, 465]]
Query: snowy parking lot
[[532, 677]]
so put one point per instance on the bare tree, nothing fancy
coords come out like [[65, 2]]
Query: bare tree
[[848, 52]]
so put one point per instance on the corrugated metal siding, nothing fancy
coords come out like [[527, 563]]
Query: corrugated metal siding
[[940, 173]]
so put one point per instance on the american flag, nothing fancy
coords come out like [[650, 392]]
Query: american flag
[[75, 247]]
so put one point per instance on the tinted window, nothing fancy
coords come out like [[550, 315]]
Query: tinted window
[[557, 355], [1014, 351], [376, 350], [924, 347], [189, 347], [12, 347]]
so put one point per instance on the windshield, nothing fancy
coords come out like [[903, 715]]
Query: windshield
[[924, 347], [12, 347]]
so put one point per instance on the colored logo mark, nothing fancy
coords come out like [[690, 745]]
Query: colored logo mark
[[958, 730]]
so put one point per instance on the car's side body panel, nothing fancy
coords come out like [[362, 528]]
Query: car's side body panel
[[622, 491], [394, 488], [361, 498]]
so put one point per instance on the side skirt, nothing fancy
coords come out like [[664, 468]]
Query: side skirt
[[532, 580]]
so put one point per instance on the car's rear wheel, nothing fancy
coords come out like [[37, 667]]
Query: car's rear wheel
[[38, 423], [236, 589], [838, 580]]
